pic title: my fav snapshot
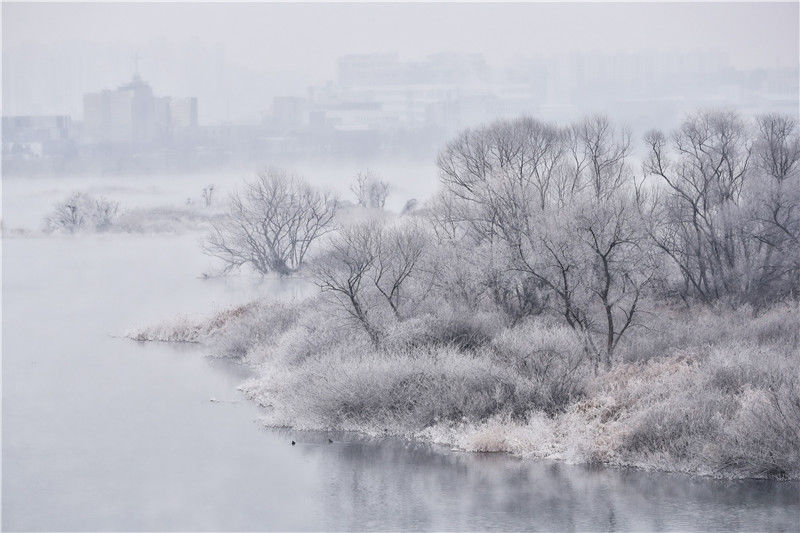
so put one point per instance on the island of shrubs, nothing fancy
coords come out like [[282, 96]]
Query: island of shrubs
[[554, 299]]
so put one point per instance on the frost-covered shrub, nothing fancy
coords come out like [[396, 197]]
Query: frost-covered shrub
[[533, 437], [779, 324], [460, 329], [552, 356], [261, 323], [187, 329], [400, 391], [82, 212], [721, 397], [670, 331], [311, 337], [734, 367], [179, 329], [421, 376], [763, 439], [166, 219], [678, 426], [732, 410], [466, 332]]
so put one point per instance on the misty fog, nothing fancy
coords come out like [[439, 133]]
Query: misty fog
[[447, 266], [269, 80]]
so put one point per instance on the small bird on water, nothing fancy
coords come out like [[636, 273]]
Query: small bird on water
[[293, 443], [330, 441]]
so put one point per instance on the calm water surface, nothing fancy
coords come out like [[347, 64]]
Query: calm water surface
[[102, 433]]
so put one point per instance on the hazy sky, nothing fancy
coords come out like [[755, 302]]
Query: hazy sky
[[73, 48]]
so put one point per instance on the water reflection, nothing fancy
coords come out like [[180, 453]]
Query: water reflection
[[394, 484]]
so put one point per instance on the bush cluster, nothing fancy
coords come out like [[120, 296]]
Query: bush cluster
[[550, 301], [81, 212]]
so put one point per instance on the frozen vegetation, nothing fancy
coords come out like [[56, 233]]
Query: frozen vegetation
[[81, 212], [553, 300]]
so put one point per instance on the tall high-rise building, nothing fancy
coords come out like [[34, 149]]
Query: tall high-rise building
[[131, 114]]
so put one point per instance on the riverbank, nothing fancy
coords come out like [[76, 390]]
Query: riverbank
[[708, 392]]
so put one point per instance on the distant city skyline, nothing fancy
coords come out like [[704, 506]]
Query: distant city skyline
[[222, 101], [382, 104], [184, 86], [236, 58]]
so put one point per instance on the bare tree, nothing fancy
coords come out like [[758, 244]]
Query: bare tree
[[344, 271], [499, 169], [697, 218], [598, 159], [398, 259], [208, 195], [621, 266], [369, 266], [272, 224], [778, 146], [775, 205], [370, 190], [595, 262], [495, 178], [559, 202]]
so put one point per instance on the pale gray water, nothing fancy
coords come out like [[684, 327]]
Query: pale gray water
[[102, 433]]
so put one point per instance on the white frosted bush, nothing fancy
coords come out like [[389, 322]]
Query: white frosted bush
[[189, 329], [731, 411], [535, 437], [400, 391], [166, 219], [261, 323], [82, 212], [674, 330], [445, 326], [763, 439], [552, 356]]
